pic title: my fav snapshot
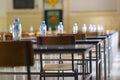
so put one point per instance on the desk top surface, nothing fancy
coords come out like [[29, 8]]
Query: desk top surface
[[88, 41], [63, 48], [96, 37]]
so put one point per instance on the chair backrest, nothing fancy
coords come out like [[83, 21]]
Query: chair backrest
[[28, 34], [8, 36], [2, 35], [55, 40], [16, 53], [94, 33], [91, 34], [77, 36]]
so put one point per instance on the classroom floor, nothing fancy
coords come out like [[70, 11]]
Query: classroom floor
[[115, 72]]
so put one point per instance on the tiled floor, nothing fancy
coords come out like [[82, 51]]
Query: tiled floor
[[115, 72]]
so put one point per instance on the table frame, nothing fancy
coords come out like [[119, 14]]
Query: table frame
[[98, 60], [45, 50]]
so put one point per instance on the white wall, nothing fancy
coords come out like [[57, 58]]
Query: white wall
[[3, 8], [76, 5], [93, 5], [7, 5], [118, 5]]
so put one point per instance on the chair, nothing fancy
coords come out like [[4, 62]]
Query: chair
[[58, 67], [16, 54], [94, 33], [78, 36], [8, 36], [55, 40], [28, 34]]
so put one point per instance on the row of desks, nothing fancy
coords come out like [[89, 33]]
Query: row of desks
[[82, 46], [68, 49]]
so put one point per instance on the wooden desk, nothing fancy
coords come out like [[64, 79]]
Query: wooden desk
[[98, 58], [68, 49], [112, 47], [104, 38], [33, 39]]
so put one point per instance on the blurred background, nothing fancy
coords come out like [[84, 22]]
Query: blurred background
[[32, 12]]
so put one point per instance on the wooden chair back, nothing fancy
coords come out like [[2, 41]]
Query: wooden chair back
[[28, 34], [77, 36], [55, 40], [2, 35], [16, 53], [94, 33], [91, 33], [8, 36]]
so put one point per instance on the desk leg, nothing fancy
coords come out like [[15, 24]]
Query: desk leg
[[104, 59], [100, 63], [109, 56], [83, 67], [97, 67], [90, 54], [41, 65]]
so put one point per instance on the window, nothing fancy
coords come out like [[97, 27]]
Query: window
[[23, 4]]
